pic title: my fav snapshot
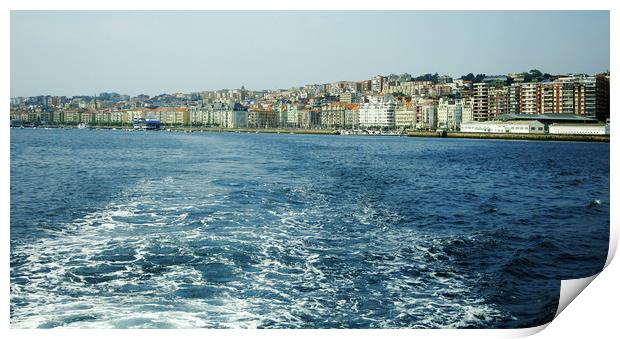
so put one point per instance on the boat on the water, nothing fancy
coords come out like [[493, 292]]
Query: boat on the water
[[140, 123], [82, 125]]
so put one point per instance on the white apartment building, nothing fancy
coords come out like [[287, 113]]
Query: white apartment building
[[230, 118], [292, 117], [379, 111], [449, 114], [428, 118], [406, 115], [467, 110]]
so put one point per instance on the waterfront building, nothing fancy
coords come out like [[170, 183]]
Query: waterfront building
[[196, 116], [406, 114], [584, 99], [498, 101], [18, 118], [292, 116], [169, 115], [309, 118], [131, 114], [351, 116], [581, 129], [519, 127], [122, 117], [334, 115], [216, 117], [231, 118], [428, 118], [263, 118], [282, 115], [211, 114], [57, 116], [72, 116], [449, 114], [467, 110], [551, 97], [530, 94], [569, 94], [378, 112], [602, 97], [87, 117], [40, 117], [480, 101], [566, 95], [103, 117]]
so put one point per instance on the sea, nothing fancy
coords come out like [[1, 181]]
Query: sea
[[156, 229]]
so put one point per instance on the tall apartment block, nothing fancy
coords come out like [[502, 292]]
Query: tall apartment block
[[530, 98], [513, 97], [498, 101], [480, 101], [602, 96], [584, 99]]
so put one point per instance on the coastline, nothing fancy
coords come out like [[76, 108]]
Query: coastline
[[415, 134], [510, 136]]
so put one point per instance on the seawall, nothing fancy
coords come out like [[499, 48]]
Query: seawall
[[510, 136]]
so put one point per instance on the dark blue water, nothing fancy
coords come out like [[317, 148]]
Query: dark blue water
[[161, 229]]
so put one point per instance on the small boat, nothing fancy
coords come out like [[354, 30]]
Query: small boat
[[82, 125]]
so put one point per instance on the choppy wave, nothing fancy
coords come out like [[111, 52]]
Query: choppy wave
[[284, 244], [147, 263]]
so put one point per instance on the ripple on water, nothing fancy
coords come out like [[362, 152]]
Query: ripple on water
[[226, 231]]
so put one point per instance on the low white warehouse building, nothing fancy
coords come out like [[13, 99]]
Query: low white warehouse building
[[584, 129], [503, 127]]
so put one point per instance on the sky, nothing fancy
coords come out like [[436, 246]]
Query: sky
[[154, 52]]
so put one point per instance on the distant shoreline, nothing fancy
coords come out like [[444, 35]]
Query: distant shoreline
[[513, 136], [417, 134]]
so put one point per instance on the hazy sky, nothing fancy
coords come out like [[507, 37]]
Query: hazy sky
[[82, 53]]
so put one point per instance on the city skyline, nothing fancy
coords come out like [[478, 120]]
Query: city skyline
[[133, 53], [426, 102], [348, 81]]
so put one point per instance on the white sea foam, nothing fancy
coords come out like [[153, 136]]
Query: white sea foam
[[95, 272]]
